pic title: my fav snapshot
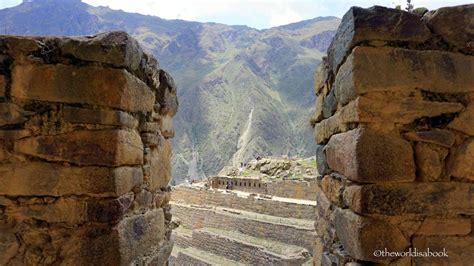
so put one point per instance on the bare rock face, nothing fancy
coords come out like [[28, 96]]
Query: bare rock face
[[394, 123], [84, 152]]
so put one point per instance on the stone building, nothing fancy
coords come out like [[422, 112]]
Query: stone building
[[85, 128], [394, 122]]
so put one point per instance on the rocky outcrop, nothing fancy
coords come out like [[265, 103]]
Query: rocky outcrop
[[84, 152], [394, 126]]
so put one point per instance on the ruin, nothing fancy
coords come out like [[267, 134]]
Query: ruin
[[85, 128], [247, 224], [394, 123]]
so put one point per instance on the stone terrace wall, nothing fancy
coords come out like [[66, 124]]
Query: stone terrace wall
[[297, 189], [84, 152], [203, 197], [201, 218], [395, 124]]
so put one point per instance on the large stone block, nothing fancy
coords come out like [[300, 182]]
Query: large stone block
[[463, 122], [444, 138], [390, 108], [72, 211], [376, 23], [384, 108], [11, 114], [166, 95], [85, 85], [113, 48], [361, 236], [45, 179], [369, 69], [103, 147], [429, 160], [99, 116], [460, 250], [364, 155], [3, 86], [136, 239], [160, 165], [434, 198], [463, 165], [445, 226], [141, 233], [454, 25], [166, 126], [9, 244]]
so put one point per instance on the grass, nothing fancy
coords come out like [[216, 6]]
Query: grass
[[310, 163]]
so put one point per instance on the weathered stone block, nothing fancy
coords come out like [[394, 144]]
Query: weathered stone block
[[45, 179], [435, 71], [333, 188], [444, 138], [384, 108], [11, 114], [364, 155], [328, 127], [151, 139], [329, 104], [92, 245], [376, 23], [445, 226], [166, 95], [114, 48], [9, 244], [3, 85], [166, 126], [429, 160], [454, 25], [86, 85], [160, 165], [463, 122], [434, 198], [72, 211], [318, 112], [99, 116], [321, 163], [152, 127], [139, 234], [361, 236], [321, 76], [463, 165], [388, 107], [103, 147], [460, 250]]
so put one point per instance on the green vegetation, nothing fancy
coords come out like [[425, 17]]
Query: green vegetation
[[222, 73]]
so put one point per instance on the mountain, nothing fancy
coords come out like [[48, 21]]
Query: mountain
[[243, 92]]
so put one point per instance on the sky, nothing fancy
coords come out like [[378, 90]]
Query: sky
[[258, 14]]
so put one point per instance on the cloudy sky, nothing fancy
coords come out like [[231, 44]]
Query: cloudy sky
[[254, 13]]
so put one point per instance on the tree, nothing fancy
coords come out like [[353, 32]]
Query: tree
[[409, 6]]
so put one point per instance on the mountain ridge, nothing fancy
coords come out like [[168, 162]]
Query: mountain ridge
[[223, 72]]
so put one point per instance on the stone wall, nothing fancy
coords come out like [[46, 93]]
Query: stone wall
[[196, 218], [296, 189], [203, 197], [394, 123], [252, 185], [85, 128]]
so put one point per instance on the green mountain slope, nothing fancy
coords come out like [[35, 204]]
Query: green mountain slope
[[242, 91]]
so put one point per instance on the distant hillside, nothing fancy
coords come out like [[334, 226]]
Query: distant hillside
[[242, 91]]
